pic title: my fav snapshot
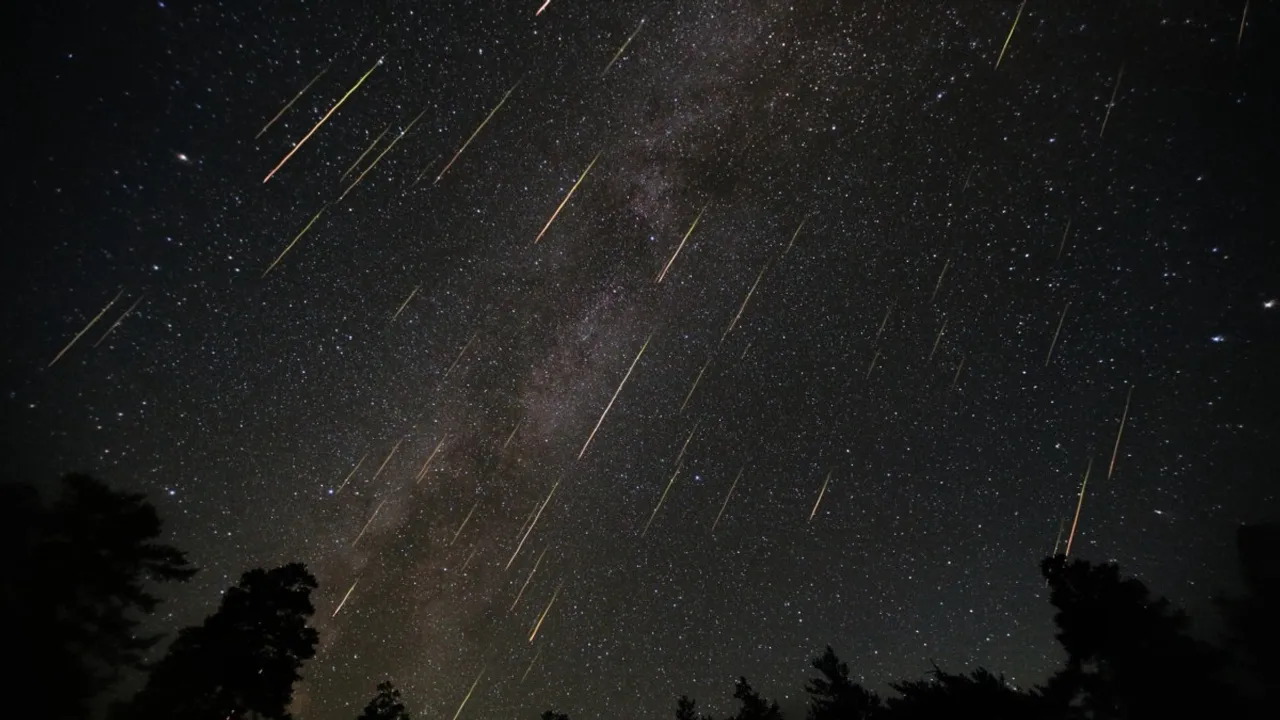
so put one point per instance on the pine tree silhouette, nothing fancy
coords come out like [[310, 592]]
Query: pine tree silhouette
[[242, 661], [385, 705], [979, 694], [73, 585], [753, 706], [1253, 620], [834, 696], [553, 715], [687, 709]]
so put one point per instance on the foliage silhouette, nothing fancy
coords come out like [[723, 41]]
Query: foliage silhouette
[[74, 583], [687, 709], [834, 696], [242, 661], [385, 705], [1253, 620], [979, 694], [754, 707], [553, 715]]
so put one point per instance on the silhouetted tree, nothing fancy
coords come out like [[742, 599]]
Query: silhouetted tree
[[835, 696], [1128, 655], [977, 695], [74, 583], [385, 705], [553, 715], [753, 706], [242, 661], [687, 709], [1253, 620]]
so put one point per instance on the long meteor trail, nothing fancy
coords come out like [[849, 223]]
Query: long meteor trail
[[662, 275], [661, 500], [821, 493], [367, 150], [385, 150], [1123, 418], [734, 323], [1054, 343], [727, 495], [289, 104], [487, 118], [1079, 504], [293, 242], [468, 697], [1009, 37], [543, 617], [86, 329], [615, 397], [528, 579], [332, 110], [637, 32], [351, 474], [532, 524], [565, 201], [120, 319], [344, 598], [695, 383]]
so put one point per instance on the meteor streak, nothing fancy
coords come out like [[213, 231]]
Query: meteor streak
[[344, 598], [544, 7], [565, 201], [1063, 245], [465, 520], [367, 150], [80, 334], [351, 474], [532, 524], [874, 358], [680, 247], [637, 32], [658, 507], [531, 662], [332, 110], [538, 627], [459, 358], [1016, 18], [467, 563], [1244, 17], [884, 322], [295, 240], [686, 444], [733, 323], [1114, 89], [938, 339], [615, 397], [1079, 504], [378, 159], [468, 697], [371, 519], [384, 462], [727, 495], [795, 234], [1123, 418], [1049, 358], [514, 430], [528, 579], [695, 382], [405, 304], [120, 319], [938, 285], [956, 379], [821, 493], [487, 118], [423, 472], [307, 87], [1057, 542]]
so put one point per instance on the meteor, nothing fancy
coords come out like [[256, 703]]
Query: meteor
[[459, 358], [528, 579], [531, 662], [465, 520], [725, 504], [1063, 245], [344, 598], [1016, 18], [637, 32], [565, 201], [295, 240], [350, 474], [1244, 18], [1123, 418], [467, 563], [120, 319], [532, 524], [538, 626], [796, 234], [680, 247], [1057, 542], [367, 150], [884, 322], [544, 7], [733, 323], [423, 472], [686, 444], [378, 159], [872, 367], [938, 285], [821, 493], [332, 110], [514, 430], [1049, 358], [658, 507], [1079, 504], [297, 97], [384, 462], [468, 697], [695, 382], [487, 118], [938, 339], [956, 379], [86, 329], [1114, 89], [615, 397], [371, 519], [405, 304]]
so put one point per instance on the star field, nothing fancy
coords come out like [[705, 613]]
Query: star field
[[910, 295]]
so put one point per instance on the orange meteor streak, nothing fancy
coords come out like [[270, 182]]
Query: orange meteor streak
[[332, 110], [565, 201], [543, 617], [1079, 504], [615, 397], [487, 118]]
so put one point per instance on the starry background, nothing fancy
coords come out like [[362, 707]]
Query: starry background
[[932, 192]]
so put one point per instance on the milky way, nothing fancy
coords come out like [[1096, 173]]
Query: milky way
[[958, 286]]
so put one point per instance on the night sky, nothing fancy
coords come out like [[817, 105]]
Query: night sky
[[953, 280]]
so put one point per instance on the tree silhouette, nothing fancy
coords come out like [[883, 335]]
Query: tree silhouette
[[1253, 621], [835, 696], [553, 715], [753, 706], [74, 582], [1128, 655], [385, 705], [687, 709], [978, 695], [243, 660]]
